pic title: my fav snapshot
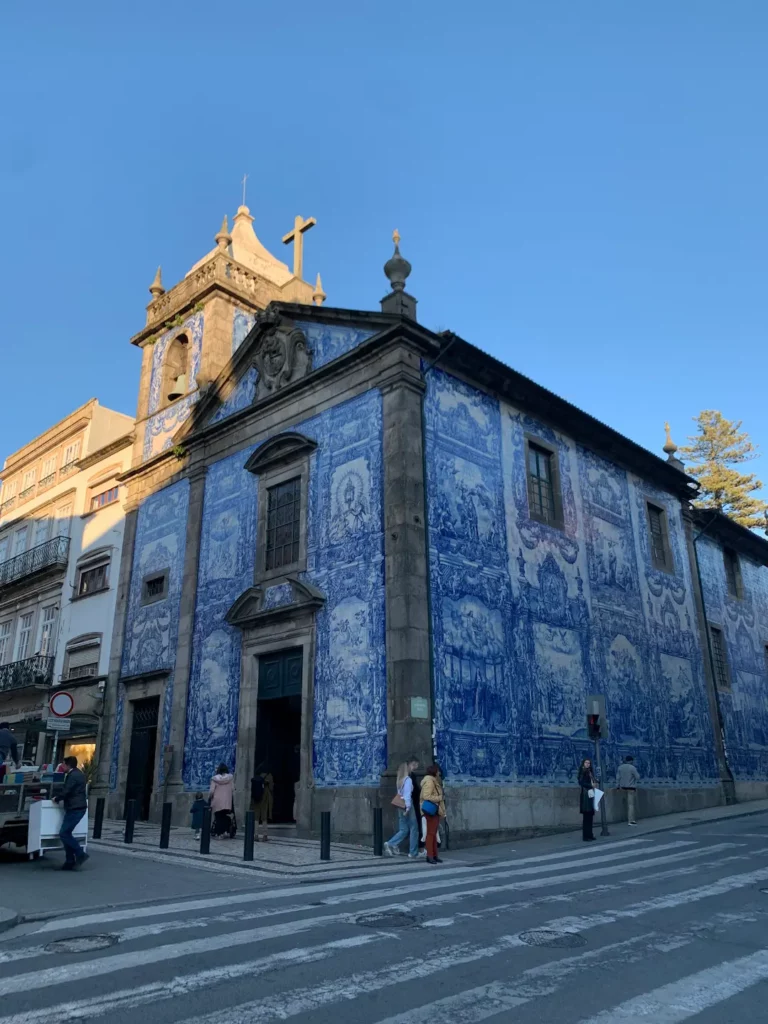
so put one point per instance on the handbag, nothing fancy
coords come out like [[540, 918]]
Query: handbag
[[398, 801], [429, 808]]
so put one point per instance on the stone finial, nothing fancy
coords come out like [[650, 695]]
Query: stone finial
[[671, 449], [318, 295], [397, 270], [223, 238], [156, 288]]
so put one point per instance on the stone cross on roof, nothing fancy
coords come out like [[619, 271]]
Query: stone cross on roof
[[297, 237]]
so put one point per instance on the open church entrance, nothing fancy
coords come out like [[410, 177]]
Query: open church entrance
[[278, 727]]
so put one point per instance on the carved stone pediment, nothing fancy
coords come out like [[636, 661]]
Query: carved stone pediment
[[286, 447], [282, 355], [277, 600]]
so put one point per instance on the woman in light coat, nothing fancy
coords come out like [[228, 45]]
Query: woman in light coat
[[433, 809], [407, 821], [222, 798]]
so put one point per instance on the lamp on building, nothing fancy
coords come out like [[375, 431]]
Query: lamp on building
[[179, 387]]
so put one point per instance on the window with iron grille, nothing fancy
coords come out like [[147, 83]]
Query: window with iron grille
[[544, 502], [92, 579], [732, 573], [657, 528], [154, 586], [283, 524], [719, 658]]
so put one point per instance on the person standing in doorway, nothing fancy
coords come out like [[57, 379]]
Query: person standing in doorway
[[433, 809], [222, 797], [75, 800], [407, 821], [262, 789], [7, 746], [587, 799], [627, 778]]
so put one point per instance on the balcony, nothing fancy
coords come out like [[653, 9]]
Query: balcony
[[31, 672], [26, 493], [47, 481], [54, 552], [6, 506], [70, 467]]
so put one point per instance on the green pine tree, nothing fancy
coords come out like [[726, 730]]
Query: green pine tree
[[714, 453]]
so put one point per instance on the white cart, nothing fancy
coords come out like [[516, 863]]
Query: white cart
[[45, 818]]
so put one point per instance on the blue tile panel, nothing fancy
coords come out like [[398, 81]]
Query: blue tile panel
[[151, 630], [161, 426], [241, 326], [344, 559], [240, 397], [744, 622], [529, 619]]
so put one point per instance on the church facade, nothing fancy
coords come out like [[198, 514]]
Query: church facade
[[350, 540]]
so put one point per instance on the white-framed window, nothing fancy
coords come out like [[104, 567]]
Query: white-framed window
[[81, 659], [71, 453], [63, 519], [20, 540], [29, 479], [107, 497], [6, 630], [48, 630], [9, 489], [42, 529], [4, 546], [48, 472], [24, 639], [93, 577]]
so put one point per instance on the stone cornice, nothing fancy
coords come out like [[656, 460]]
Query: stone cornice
[[109, 449], [52, 438]]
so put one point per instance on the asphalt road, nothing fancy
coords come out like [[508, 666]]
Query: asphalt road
[[658, 929]]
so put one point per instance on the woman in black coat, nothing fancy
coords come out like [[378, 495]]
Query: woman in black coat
[[586, 804]]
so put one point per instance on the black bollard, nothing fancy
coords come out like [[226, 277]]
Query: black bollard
[[250, 832], [205, 832], [165, 826], [130, 820], [325, 835], [98, 820], [378, 833]]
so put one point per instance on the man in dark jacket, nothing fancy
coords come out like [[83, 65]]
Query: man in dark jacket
[[7, 746], [75, 801]]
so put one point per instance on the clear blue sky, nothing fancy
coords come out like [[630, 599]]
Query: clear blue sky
[[582, 188]]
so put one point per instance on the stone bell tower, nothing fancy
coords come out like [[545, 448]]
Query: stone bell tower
[[193, 328]]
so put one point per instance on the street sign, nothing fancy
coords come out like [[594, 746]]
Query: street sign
[[58, 724], [61, 704]]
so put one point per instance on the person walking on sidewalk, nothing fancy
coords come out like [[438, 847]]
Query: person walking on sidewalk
[[222, 796], [433, 809], [262, 787], [75, 801], [408, 823], [7, 746], [627, 778], [586, 799]]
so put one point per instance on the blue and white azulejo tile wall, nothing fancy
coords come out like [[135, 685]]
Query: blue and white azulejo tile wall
[[529, 619], [161, 426]]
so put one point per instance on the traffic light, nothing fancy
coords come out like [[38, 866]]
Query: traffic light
[[594, 726]]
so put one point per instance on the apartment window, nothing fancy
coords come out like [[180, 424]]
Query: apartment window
[[105, 498], [28, 483], [4, 550], [23, 641], [5, 640], [9, 489], [733, 579], [283, 524], [63, 520], [20, 541], [48, 631], [81, 658], [71, 453], [93, 578], [42, 529], [154, 586], [48, 473], [719, 658], [657, 528]]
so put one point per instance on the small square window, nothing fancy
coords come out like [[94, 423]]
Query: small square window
[[283, 524], [733, 579], [719, 658], [154, 586], [544, 498], [93, 579], [105, 498], [661, 555]]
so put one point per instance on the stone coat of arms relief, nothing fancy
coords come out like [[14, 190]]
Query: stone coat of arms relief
[[283, 356]]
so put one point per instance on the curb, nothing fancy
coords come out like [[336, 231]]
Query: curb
[[8, 919], [704, 821]]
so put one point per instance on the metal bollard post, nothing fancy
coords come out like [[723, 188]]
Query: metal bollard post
[[98, 820], [325, 835], [378, 833], [205, 832], [165, 826], [130, 821], [250, 832]]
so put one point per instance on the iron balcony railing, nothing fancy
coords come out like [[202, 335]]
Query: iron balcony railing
[[43, 556], [17, 675], [7, 505]]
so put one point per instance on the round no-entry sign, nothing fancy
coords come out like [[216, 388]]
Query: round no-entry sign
[[61, 704]]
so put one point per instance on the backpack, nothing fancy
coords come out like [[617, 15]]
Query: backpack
[[257, 789]]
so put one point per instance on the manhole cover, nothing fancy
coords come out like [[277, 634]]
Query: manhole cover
[[557, 940], [392, 919], [81, 944]]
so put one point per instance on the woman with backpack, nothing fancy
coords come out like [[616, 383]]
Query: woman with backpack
[[222, 798], [262, 786], [433, 809], [408, 824]]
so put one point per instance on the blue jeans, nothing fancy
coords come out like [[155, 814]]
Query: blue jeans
[[72, 847], [408, 824]]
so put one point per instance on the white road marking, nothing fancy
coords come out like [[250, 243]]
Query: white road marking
[[689, 997]]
